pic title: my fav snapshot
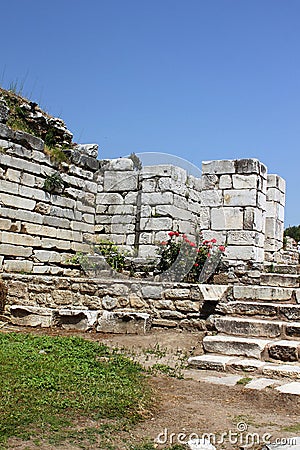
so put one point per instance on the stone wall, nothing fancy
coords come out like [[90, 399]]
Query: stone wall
[[234, 201], [108, 305]]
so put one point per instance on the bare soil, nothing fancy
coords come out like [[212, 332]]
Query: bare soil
[[185, 405]]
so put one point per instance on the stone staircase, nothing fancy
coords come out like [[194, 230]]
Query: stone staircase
[[256, 329]]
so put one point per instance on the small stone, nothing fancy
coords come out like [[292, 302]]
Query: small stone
[[109, 302]]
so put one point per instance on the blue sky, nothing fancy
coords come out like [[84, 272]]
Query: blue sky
[[200, 79]]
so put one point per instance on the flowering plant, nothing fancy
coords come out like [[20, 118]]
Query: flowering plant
[[184, 260]]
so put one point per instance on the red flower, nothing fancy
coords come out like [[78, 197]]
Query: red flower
[[222, 248], [213, 240], [184, 236], [192, 244], [208, 255], [176, 233], [172, 233], [205, 242], [163, 243], [196, 264]]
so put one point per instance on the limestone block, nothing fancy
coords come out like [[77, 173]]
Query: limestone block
[[56, 222], [130, 239], [88, 218], [173, 211], [274, 228], [119, 164], [90, 186], [261, 200], [17, 202], [231, 345], [253, 219], [109, 199], [177, 293], [181, 202], [88, 149], [124, 322], [149, 185], [55, 243], [218, 167], [211, 198], [47, 256], [276, 181], [245, 181], [123, 219], [122, 209], [284, 350], [120, 181], [156, 223], [166, 323], [157, 198], [13, 176], [15, 250], [213, 292], [275, 210], [16, 265], [187, 306], [245, 238], [275, 195], [262, 293], [247, 166], [65, 213], [240, 197], [157, 171], [225, 182], [152, 291], [35, 194], [131, 198], [147, 238], [19, 239], [78, 171], [226, 218], [122, 228], [5, 224], [210, 181], [80, 247], [72, 319], [168, 184], [204, 218], [30, 316], [243, 253], [65, 202]]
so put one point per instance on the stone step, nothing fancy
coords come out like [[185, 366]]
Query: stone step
[[279, 311], [292, 269], [234, 364], [236, 346], [239, 326], [266, 293], [264, 349], [279, 280]]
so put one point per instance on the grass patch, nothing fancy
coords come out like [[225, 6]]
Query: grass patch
[[244, 381], [47, 383], [295, 428]]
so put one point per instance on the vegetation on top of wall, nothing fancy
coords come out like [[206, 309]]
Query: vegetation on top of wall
[[293, 232], [25, 115]]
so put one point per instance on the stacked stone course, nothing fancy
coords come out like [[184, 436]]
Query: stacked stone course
[[234, 201]]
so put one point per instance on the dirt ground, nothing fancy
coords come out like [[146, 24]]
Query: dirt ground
[[190, 408]]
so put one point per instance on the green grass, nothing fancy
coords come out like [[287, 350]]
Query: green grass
[[48, 383], [244, 381], [295, 428]]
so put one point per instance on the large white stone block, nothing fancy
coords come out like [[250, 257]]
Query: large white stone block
[[274, 194], [245, 238], [225, 182], [276, 181], [157, 198], [211, 198], [17, 202], [120, 181], [218, 166], [156, 224], [226, 218], [244, 181], [240, 197], [254, 219], [173, 212], [109, 199]]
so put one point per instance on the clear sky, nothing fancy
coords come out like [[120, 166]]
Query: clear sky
[[200, 79]]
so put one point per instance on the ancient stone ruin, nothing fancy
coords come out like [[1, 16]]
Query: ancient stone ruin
[[50, 210]]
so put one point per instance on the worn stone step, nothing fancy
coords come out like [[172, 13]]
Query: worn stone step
[[292, 269], [236, 346], [279, 311], [232, 364], [284, 350], [240, 326], [279, 280], [266, 293]]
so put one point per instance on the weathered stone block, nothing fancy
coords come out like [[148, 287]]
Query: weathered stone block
[[156, 223], [17, 202], [211, 198], [253, 219], [14, 250], [245, 238], [245, 181], [109, 199], [218, 167], [225, 182], [30, 316], [276, 181], [120, 181], [284, 350], [18, 266], [124, 322], [72, 319], [240, 197], [157, 198], [226, 218]]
